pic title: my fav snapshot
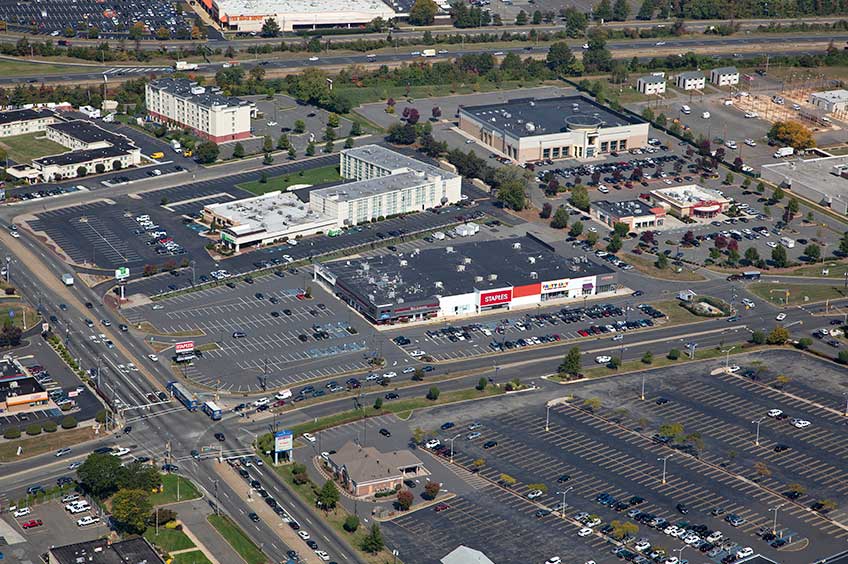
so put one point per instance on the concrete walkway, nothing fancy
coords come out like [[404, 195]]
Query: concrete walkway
[[193, 515]]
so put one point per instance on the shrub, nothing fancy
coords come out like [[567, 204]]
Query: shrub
[[12, 433], [49, 426], [433, 394], [351, 523], [33, 429], [69, 422]]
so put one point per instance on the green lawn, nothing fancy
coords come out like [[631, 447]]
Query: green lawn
[[24, 148], [21, 310], [192, 557], [645, 263], [835, 270], [371, 94], [168, 540], [240, 542], [169, 492], [312, 176], [15, 68], [798, 293]]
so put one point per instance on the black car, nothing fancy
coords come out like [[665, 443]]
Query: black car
[[385, 432], [64, 480], [312, 544], [662, 401], [287, 312], [259, 296], [220, 437], [128, 429], [391, 396], [253, 517], [170, 468], [781, 448], [89, 305], [448, 425], [490, 444], [563, 479], [681, 507], [275, 314]]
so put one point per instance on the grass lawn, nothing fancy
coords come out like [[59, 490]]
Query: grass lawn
[[645, 263], [312, 176], [169, 493], [371, 94], [191, 557], [24, 148], [676, 313], [835, 270], [240, 542], [45, 442], [15, 68], [168, 540], [22, 312], [776, 293]]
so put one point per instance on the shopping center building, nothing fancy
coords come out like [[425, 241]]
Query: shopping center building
[[568, 127], [467, 278], [690, 201]]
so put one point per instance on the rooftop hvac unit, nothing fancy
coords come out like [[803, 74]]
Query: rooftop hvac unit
[[534, 275], [466, 260], [532, 103], [366, 267], [449, 250], [516, 245], [532, 260], [403, 263], [478, 278], [371, 298], [530, 126], [493, 277], [460, 268], [439, 284]]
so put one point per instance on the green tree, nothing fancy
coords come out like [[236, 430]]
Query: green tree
[[560, 219], [620, 10], [136, 31], [597, 57], [793, 134], [778, 257], [206, 153], [481, 384], [648, 357], [793, 206], [752, 256], [778, 336], [614, 244], [507, 480], [813, 252], [238, 151], [537, 17], [328, 147], [328, 496], [299, 126], [729, 178], [292, 152], [138, 476], [348, 144], [579, 197], [351, 523], [130, 509], [521, 18], [576, 229], [673, 354], [270, 28], [758, 337], [561, 60], [163, 33], [661, 262], [621, 229], [310, 149], [283, 142], [69, 422], [603, 10], [373, 541], [571, 362], [333, 120], [11, 433], [268, 159], [842, 357], [621, 529], [673, 430], [423, 12], [267, 144], [804, 343], [378, 404], [100, 474], [433, 393]]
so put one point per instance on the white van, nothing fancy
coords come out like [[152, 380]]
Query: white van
[[685, 109], [283, 394], [787, 242]]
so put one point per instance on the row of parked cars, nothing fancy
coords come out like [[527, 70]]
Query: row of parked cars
[[162, 243]]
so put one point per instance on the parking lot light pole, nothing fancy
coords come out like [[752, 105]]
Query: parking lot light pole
[[680, 550], [757, 422], [563, 492], [776, 508], [665, 465], [643, 388], [845, 413], [727, 358], [451, 442], [547, 417]]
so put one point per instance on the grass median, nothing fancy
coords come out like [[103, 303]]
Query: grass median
[[191, 557], [237, 538], [312, 177], [45, 442], [645, 264], [794, 294], [168, 540], [174, 488]]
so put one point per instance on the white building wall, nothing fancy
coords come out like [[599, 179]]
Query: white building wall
[[525, 300], [28, 126], [457, 305]]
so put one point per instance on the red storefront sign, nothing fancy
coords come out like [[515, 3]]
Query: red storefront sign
[[496, 297]]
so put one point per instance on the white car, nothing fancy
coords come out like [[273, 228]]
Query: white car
[[603, 359], [308, 437], [744, 553], [120, 451], [603, 189], [750, 115], [672, 560], [408, 370], [593, 522], [272, 123], [642, 545], [660, 43], [22, 512], [322, 555], [88, 520], [432, 443], [772, 244], [304, 535], [731, 144], [750, 142], [733, 369], [801, 423], [715, 537], [671, 530], [554, 560], [584, 532], [585, 45], [748, 302], [774, 413], [313, 59], [74, 465], [417, 353], [153, 357], [498, 53], [389, 375], [15, 234], [533, 494], [780, 316]]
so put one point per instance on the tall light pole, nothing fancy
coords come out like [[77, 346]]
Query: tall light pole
[[776, 508], [548, 417], [680, 550], [643, 388], [451, 442], [665, 464], [727, 358], [845, 413], [563, 492], [757, 422]]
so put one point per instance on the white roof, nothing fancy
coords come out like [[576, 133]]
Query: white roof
[[274, 212], [689, 194], [292, 8], [465, 555], [832, 95]]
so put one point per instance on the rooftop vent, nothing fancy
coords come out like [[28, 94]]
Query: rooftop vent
[[466, 260], [439, 284], [493, 277], [460, 268], [403, 263], [532, 260], [516, 245], [449, 250], [478, 278], [534, 275]]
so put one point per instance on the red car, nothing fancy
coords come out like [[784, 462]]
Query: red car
[[441, 507], [32, 524], [301, 296]]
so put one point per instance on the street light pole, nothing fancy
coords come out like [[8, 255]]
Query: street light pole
[[547, 417], [563, 492], [643, 388], [451, 442], [665, 464], [757, 422], [846, 403], [727, 358], [776, 508]]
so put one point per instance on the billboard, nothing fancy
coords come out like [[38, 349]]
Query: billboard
[[496, 297], [283, 441], [184, 347]]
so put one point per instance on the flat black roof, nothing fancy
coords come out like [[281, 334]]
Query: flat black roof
[[624, 208], [131, 551], [9, 370], [88, 132], [458, 269], [83, 156], [19, 386], [529, 117], [25, 114]]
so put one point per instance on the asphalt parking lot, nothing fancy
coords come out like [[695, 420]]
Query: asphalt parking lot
[[285, 339], [284, 111], [611, 449]]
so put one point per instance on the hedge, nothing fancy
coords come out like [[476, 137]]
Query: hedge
[[33, 429], [69, 422], [12, 433], [49, 426]]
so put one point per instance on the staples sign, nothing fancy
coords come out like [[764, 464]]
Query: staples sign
[[497, 297], [184, 347]]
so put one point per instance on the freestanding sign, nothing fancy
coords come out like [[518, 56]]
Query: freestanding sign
[[122, 273], [283, 442], [184, 348]]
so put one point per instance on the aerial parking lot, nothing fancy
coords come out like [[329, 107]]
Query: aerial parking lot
[[684, 466]]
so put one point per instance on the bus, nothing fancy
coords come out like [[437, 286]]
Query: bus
[[751, 275], [787, 242], [185, 397], [211, 409]]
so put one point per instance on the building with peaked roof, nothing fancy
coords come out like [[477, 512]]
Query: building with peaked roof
[[690, 80], [651, 84], [183, 103], [724, 76], [102, 551], [567, 127], [465, 555], [364, 471]]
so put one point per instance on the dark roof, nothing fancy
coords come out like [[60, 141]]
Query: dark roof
[[547, 115], [23, 115], [626, 208], [132, 551], [18, 387], [9, 369], [391, 281], [209, 97], [88, 132], [84, 156]]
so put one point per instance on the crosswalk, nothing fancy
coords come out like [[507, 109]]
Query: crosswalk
[[136, 70]]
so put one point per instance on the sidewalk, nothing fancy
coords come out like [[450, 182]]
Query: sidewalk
[[193, 516]]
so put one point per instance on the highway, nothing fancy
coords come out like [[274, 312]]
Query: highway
[[643, 49]]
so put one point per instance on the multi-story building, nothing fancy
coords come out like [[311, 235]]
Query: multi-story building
[[651, 85], [569, 127], [19, 122], [182, 103], [691, 80], [724, 76]]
